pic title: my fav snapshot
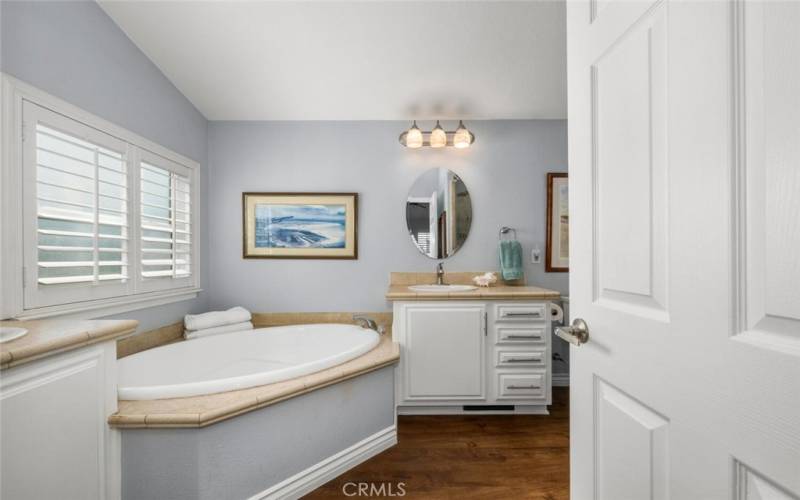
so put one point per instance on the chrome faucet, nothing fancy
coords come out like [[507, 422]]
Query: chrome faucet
[[367, 322], [440, 274]]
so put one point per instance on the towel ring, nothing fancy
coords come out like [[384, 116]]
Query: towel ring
[[506, 230]]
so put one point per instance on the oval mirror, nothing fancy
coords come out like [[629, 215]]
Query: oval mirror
[[438, 213]]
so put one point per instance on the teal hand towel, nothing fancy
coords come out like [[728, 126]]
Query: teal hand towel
[[511, 260]]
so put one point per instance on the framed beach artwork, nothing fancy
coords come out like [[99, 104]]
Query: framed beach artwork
[[300, 225], [557, 247]]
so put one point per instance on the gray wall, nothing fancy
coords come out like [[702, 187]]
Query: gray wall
[[505, 172], [240, 457], [74, 51]]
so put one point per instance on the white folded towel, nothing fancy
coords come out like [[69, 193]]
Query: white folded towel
[[216, 318], [205, 332]]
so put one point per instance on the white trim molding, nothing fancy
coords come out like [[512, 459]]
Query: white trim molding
[[107, 307], [13, 301], [320, 473]]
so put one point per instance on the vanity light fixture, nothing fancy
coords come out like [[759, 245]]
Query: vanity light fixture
[[438, 137], [463, 137], [413, 136]]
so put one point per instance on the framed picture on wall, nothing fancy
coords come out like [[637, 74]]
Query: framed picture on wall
[[557, 247], [300, 225]]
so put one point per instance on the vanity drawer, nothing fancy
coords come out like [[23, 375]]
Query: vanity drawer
[[519, 334], [529, 358], [520, 312], [521, 385]]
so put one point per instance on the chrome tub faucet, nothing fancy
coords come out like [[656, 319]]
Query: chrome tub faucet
[[367, 322]]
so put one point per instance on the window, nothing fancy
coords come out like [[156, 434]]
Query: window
[[166, 248], [103, 218], [165, 221], [81, 195]]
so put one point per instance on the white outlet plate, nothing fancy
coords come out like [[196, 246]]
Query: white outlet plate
[[536, 256]]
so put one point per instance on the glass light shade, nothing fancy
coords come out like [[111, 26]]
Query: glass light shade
[[462, 137], [414, 137], [438, 136]]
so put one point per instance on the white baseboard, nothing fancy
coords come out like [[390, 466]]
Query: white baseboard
[[560, 379], [320, 473], [458, 410]]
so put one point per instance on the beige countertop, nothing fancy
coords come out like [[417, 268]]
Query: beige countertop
[[200, 411], [399, 283], [48, 337], [402, 292]]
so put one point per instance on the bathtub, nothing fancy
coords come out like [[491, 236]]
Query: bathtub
[[232, 361]]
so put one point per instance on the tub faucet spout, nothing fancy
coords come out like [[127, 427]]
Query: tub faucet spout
[[366, 322]]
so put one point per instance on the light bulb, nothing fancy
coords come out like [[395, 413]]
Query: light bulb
[[438, 136], [414, 137], [462, 138]]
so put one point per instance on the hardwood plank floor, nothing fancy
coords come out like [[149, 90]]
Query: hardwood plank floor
[[470, 457]]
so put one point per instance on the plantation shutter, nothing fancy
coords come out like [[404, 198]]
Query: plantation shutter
[[79, 192], [165, 222]]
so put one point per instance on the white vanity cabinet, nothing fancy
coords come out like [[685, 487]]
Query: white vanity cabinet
[[55, 439], [473, 355], [446, 352]]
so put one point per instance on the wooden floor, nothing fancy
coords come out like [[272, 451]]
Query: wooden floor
[[471, 457]]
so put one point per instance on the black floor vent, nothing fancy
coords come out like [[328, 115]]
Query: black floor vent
[[488, 407]]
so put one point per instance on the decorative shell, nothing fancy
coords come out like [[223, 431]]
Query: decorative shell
[[485, 279]]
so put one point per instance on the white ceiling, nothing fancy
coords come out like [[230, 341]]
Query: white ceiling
[[368, 60]]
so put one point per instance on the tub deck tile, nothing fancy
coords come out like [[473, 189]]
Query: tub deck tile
[[200, 411]]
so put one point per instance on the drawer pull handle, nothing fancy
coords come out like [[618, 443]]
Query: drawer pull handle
[[523, 337], [522, 387], [522, 360], [535, 314]]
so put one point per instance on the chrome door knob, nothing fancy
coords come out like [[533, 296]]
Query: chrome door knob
[[576, 334]]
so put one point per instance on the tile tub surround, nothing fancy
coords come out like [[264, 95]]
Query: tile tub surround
[[262, 320], [150, 339], [49, 337], [174, 332], [201, 411], [399, 291]]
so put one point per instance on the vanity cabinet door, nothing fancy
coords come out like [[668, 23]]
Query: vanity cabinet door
[[444, 352], [56, 443]]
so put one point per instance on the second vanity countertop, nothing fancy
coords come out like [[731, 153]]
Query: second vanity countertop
[[399, 288], [48, 337]]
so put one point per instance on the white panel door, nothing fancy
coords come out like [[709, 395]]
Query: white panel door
[[444, 352], [684, 146]]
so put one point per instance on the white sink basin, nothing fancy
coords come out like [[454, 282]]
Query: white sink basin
[[8, 333], [441, 288]]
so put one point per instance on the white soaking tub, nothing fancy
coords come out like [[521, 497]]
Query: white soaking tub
[[232, 361]]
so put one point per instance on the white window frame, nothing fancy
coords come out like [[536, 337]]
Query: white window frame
[[15, 280], [152, 284]]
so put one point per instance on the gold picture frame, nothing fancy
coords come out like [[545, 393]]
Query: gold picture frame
[[557, 247], [300, 225]]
